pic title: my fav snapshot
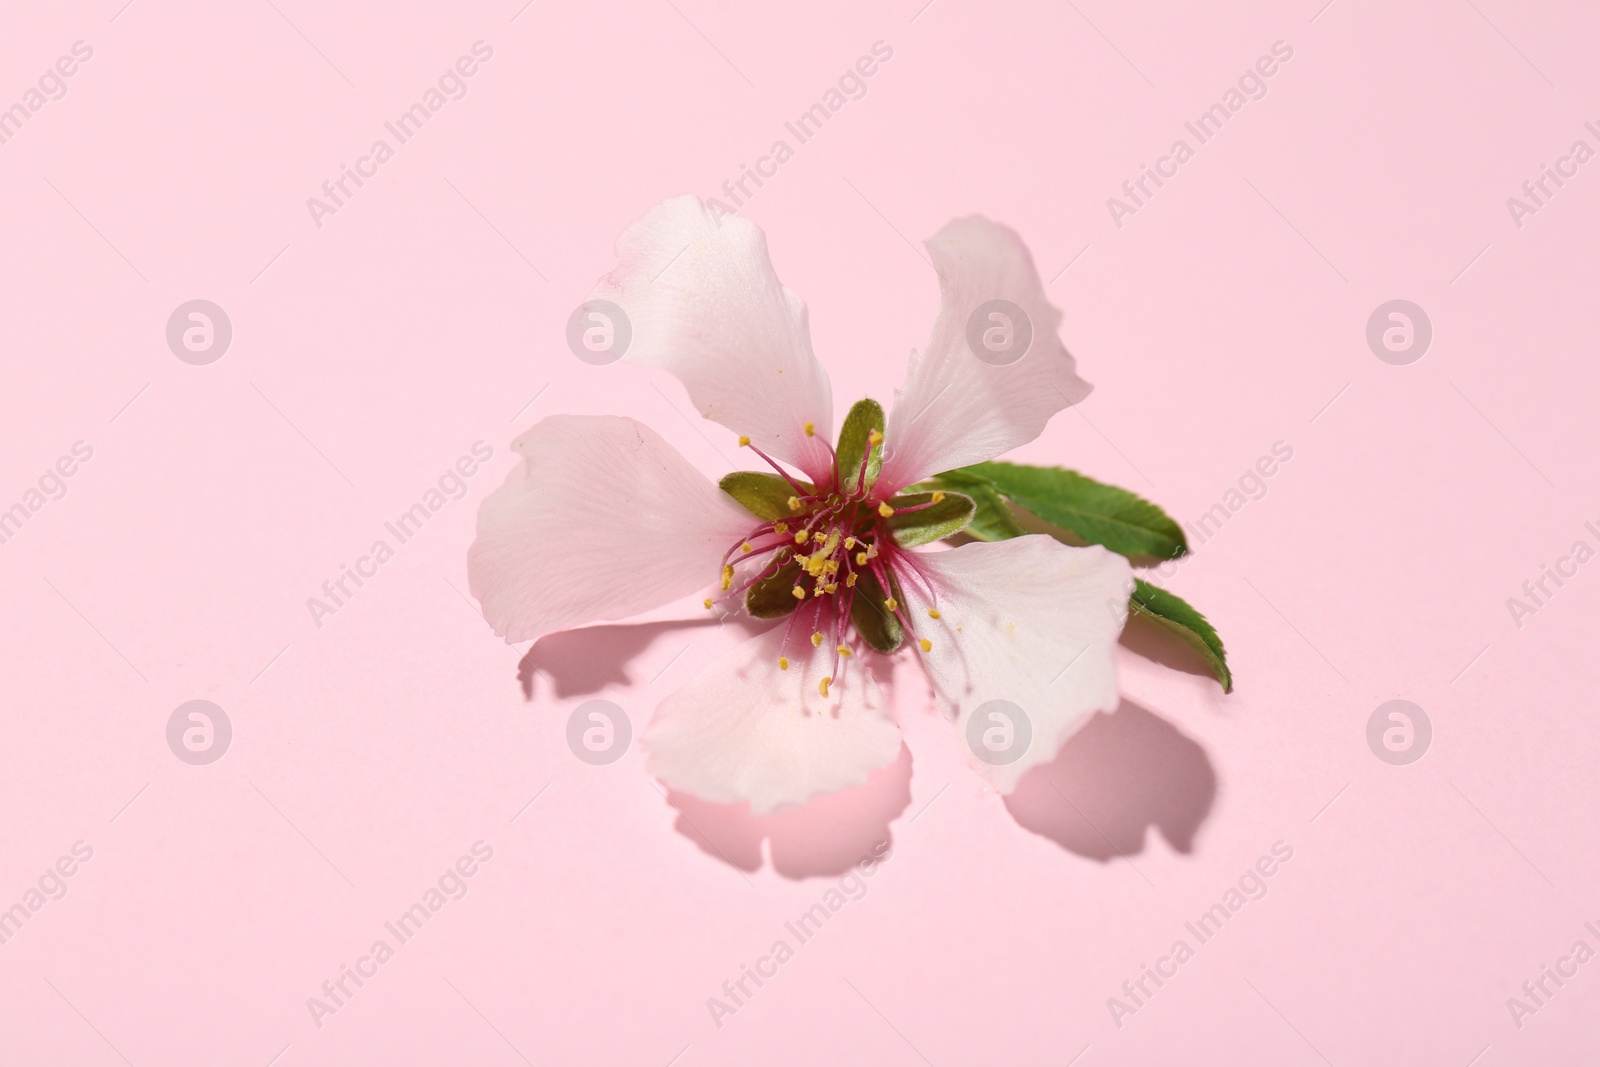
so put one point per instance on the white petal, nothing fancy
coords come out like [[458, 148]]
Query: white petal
[[745, 730], [602, 520], [1030, 621], [703, 302], [954, 408]]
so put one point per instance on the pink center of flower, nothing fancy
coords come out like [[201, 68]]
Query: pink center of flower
[[836, 545]]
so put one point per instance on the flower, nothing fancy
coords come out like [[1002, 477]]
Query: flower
[[604, 520]]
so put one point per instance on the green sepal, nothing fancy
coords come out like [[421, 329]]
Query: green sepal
[[764, 495], [1175, 614], [773, 597], [945, 519], [1100, 514], [992, 520], [876, 624], [864, 417]]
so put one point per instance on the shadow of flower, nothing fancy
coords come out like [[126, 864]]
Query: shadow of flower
[[1118, 776], [585, 661], [826, 836]]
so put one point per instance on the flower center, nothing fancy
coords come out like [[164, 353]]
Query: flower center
[[833, 565]]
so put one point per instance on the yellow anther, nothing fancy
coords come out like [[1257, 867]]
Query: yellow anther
[[783, 663], [933, 613], [874, 438], [831, 566], [708, 603], [794, 503], [892, 604], [938, 496], [780, 527], [832, 587], [844, 650], [872, 551], [816, 640], [799, 594], [885, 510], [727, 577], [746, 547], [811, 429], [851, 581], [744, 442], [802, 536], [927, 646], [861, 559], [849, 542], [822, 686], [831, 543]]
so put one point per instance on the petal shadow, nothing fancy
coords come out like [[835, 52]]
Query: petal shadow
[[585, 661], [826, 836], [1119, 775], [1154, 642]]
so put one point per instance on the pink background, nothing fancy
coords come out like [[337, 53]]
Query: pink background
[[368, 354]]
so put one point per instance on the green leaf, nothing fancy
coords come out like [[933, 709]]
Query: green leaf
[[1100, 514], [763, 495], [933, 521], [992, 520], [876, 624], [1175, 614], [864, 417], [773, 597]]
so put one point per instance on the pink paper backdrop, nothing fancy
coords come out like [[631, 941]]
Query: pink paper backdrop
[[375, 345]]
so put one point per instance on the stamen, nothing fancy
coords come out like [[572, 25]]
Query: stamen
[[708, 603], [892, 604], [794, 503], [844, 650], [822, 686], [746, 547], [816, 639], [885, 510], [933, 613], [783, 663], [850, 582], [802, 537], [861, 559], [927, 646], [938, 497], [799, 594], [744, 442], [780, 527], [849, 542], [811, 429], [727, 577], [874, 438]]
